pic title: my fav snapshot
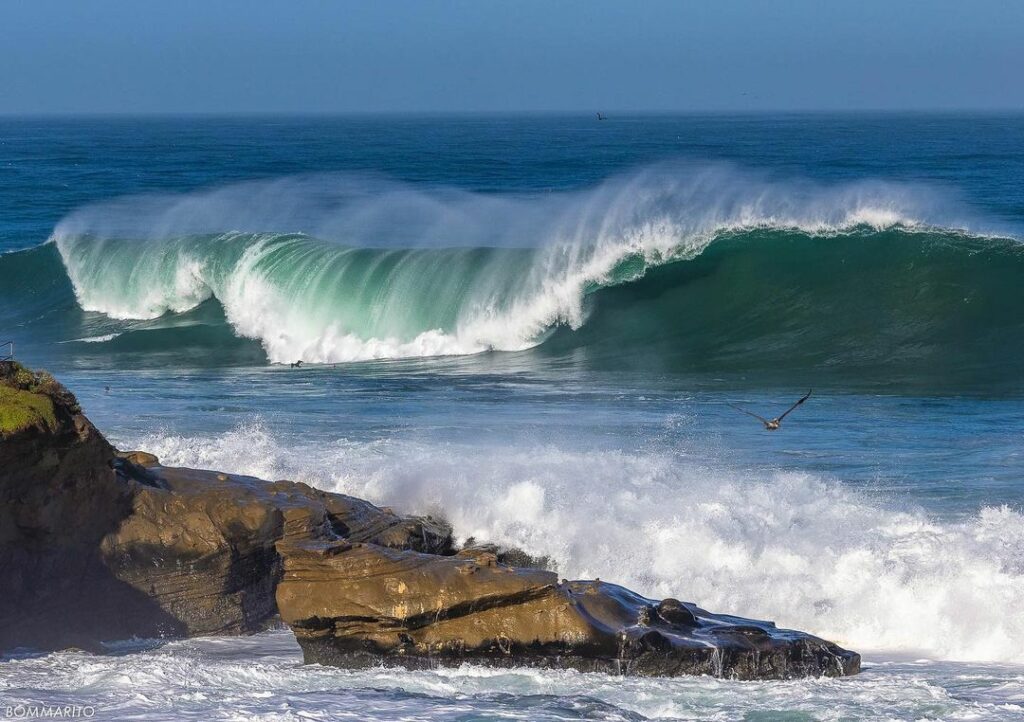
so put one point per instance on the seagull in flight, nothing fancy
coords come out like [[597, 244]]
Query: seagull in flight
[[773, 424]]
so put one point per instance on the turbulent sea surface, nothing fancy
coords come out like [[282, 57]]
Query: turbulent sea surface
[[534, 326]]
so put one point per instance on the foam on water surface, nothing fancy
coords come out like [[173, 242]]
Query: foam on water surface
[[262, 678]]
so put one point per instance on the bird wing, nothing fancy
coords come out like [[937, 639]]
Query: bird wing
[[807, 396], [750, 413]]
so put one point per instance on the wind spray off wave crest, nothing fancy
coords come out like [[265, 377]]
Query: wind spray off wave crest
[[342, 268]]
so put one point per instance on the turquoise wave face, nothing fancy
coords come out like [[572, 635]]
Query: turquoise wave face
[[893, 308], [702, 270], [306, 299]]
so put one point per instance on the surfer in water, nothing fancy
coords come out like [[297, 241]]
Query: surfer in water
[[773, 424], [297, 364]]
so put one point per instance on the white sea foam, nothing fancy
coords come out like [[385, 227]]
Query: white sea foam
[[804, 551], [311, 297], [103, 338], [262, 678]]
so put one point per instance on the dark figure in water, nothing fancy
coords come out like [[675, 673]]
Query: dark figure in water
[[601, 117], [773, 424], [297, 364]]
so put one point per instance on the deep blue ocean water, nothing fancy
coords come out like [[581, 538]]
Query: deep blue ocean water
[[534, 325]]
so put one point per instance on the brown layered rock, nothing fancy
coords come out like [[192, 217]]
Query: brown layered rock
[[98, 545], [354, 605], [204, 544]]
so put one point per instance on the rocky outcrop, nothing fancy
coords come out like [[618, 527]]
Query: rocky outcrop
[[203, 544], [354, 604], [59, 497], [97, 544]]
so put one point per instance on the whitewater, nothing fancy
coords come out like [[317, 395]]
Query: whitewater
[[792, 547]]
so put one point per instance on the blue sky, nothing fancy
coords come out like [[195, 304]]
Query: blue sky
[[324, 56]]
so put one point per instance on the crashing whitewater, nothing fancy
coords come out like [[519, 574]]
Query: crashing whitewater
[[805, 551]]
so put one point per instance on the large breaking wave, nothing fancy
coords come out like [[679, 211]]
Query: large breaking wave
[[685, 268]]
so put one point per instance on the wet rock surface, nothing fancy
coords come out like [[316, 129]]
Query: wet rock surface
[[99, 545], [361, 605]]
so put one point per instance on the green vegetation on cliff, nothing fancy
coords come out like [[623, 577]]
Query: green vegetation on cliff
[[21, 410], [26, 399]]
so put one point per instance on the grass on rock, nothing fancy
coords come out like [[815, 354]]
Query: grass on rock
[[20, 410]]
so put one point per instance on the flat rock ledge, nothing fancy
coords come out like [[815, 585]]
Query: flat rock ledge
[[99, 545], [357, 605]]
